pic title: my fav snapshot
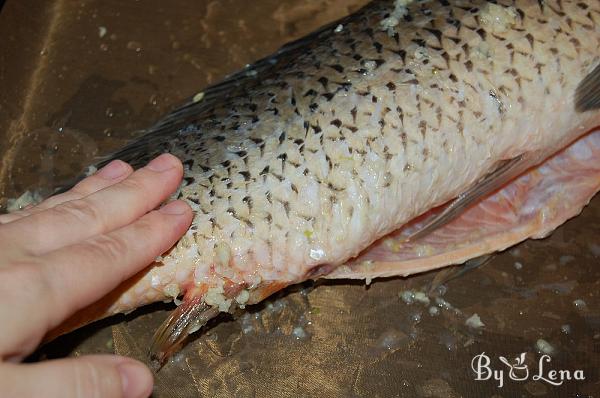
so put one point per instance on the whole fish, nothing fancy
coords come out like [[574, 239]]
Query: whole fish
[[407, 136]]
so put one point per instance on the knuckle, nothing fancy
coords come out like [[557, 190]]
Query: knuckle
[[147, 224], [135, 185], [148, 227], [108, 247], [94, 381], [80, 210], [81, 189]]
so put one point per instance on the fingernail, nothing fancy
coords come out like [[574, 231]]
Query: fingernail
[[113, 170], [136, 379], [175, 208], [162, 163]]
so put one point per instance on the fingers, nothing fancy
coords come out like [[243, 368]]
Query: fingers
[[63, 281], [114, 172], [72, 277], [100, 212], [88, 376]]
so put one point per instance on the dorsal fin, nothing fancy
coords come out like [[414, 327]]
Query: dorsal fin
[[155, 139], [587, 95]]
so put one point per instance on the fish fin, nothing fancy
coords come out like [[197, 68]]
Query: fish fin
[[530, 206], [191, 315], [158, 138], [447, 274], [587, 95], [506, 171]]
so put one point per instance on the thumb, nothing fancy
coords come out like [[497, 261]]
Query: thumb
[[88, 376]]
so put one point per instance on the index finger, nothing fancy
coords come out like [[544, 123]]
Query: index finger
[[98, 213], [114, 172]]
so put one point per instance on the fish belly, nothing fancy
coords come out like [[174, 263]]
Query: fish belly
[[531, 206]]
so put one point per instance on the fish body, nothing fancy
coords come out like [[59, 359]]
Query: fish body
[[299, 163]]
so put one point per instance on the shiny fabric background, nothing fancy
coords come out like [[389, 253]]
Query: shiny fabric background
[[79, 78]]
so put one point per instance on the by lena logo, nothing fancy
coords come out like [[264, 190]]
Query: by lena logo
[[518, 370]]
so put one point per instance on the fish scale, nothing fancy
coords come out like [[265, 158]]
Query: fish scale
[[288, 161], [299, 162]]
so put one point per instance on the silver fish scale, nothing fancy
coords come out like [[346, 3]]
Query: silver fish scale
[[350, 134]]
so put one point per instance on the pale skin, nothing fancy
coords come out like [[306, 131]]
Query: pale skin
[[69, 251]]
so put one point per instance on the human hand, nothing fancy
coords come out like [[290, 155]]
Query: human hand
[[68, 252]]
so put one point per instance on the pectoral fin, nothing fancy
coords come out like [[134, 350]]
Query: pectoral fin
[[503, 173], [191, 315], [194, 313], [587, 95], [531, 206]]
